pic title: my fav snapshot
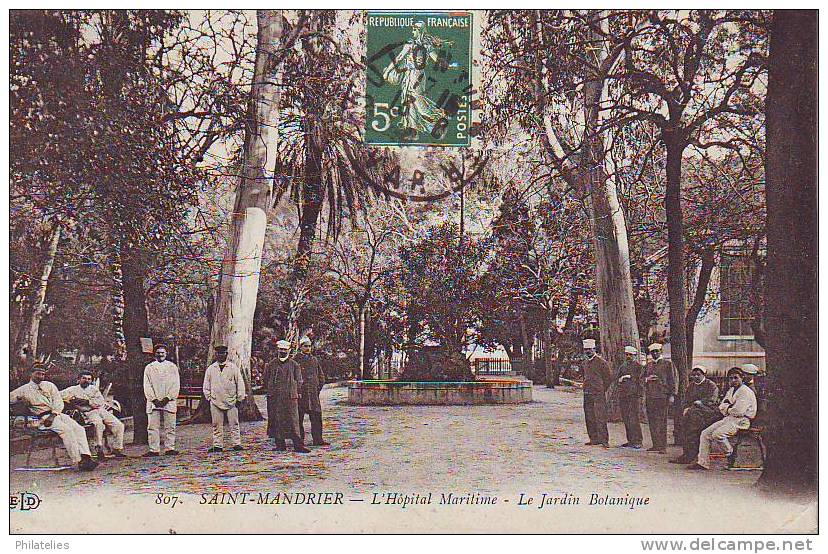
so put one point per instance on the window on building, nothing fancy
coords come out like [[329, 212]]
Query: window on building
[[736, 310]]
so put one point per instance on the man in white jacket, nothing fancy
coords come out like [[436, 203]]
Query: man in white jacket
[[224, 390], [43, 400], [161, 387], [87, 397], [738, 407]]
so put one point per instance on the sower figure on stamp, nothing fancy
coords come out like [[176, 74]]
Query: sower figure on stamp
[[314, 379], [701, 409], [661, 384], [89, 399], [597, 379], [43, 400], [161, 386], [283, 380], [224, 390], [629, 395]]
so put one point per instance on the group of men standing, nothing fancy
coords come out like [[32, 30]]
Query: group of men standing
[[705, 420], [292, 385]]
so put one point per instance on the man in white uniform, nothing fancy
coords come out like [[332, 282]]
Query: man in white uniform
[[738, 407], [87, 397], [161, 387], [44, 402], [224, 390]]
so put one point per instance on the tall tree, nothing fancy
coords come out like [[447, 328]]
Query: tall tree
[[684, 71], [542, 71], [239, 281], [791, 273]]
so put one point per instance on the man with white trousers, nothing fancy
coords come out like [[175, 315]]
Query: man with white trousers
[[161, 386], [738, 407], [90, 400], [43, 400], [224, 390]]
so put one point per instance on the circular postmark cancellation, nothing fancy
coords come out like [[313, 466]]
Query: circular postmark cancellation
[[419, 103], [418, 78]]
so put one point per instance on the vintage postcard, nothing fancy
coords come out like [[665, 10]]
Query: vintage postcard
[[457, 271]]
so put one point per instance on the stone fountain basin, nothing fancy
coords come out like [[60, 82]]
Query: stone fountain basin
[[513, 390]]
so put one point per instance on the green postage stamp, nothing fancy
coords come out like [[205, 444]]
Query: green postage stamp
[[419, 79]]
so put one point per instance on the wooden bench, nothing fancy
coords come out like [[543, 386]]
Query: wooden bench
[[28, 426], [190, 395], [744, 438]]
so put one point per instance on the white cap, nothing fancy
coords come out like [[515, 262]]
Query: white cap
[[305, 340], [654, 346], [589, 343], [700, 368], [630, 350], [750, 369], [283, 344]]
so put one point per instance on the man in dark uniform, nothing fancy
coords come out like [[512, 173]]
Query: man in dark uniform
[[597, 379], [661, 386], [701, 409], [314, 380], [629, 396], [283, 380]]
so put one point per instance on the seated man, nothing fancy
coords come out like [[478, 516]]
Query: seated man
[[738, 407], [754, 380], [45, 402], [700, 410], [88, 398]]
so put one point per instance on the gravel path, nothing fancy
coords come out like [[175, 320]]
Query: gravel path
[[505, 451]]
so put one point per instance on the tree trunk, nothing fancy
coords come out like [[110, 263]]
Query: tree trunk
[[616, 307], [525, 345], [28, 348], [550, 376], [136, 325], [791, 272], [308, 219], [119, 345], [311, 195], [706, 270], [362, 367], [239, 281], [676, 287]]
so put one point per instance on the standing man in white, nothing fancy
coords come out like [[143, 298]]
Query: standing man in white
[[161, 386], [224, 390]]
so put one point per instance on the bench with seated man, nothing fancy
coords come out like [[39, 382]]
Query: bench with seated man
[[738, 408], [87, 397], [43, 401]]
